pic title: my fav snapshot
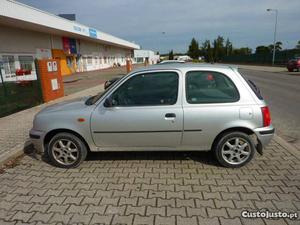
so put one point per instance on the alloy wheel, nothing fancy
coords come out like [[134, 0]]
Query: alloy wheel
[[65, 151], [236, 150]]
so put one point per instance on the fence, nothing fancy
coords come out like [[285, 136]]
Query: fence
[[281, 58], [19, 86]]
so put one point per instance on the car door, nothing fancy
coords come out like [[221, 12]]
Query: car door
[[145, 111], [210, 105]]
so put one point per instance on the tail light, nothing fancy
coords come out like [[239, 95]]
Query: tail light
[[298, 62], [266, 116]]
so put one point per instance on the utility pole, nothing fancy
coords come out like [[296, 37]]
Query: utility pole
[[275, 30]]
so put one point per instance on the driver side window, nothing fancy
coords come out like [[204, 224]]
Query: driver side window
[[159, 88]]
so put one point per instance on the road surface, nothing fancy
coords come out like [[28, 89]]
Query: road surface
[[282, 93]]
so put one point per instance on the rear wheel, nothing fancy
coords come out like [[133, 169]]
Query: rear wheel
[[234, 149], [66, 150], [290, 70]]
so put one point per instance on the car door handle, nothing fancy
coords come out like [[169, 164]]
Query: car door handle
[[170, 115]]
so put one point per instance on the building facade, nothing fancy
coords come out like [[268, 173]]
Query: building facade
[[27, 33], [145, 56]]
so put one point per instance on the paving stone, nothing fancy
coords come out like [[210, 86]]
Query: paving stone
[[159, 220], [24, 207], [235, 221], [186, 220], [146, 201], [101, 219], [80, 219], [41, 217], [196, 212], [205, 203], [140, 210], [39, 208], [143, 220], [58, 208], [76, 209], [217, 212], [176, 211], [23, 216], [115, 210], [91, 201], [208, 221], [150, 210], [122, 220]]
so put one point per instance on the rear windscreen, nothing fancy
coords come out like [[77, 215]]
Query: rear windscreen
[[254, 88]]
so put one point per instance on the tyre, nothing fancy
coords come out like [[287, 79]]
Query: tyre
[[290, 70], [234, 149], [66, 150]]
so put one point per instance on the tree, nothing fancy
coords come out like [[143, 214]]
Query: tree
[[278, 46], [228, 47], [242, 51], [298, 45], [207, 51], [262, 50], [219, 50], [171, 55], [193, 50]]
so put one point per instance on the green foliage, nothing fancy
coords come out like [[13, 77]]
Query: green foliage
[[298, 45], [193, 50], [171, 55]]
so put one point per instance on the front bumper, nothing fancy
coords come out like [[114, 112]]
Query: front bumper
[[37, 139], [265, 134]]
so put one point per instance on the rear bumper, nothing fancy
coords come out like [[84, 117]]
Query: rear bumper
[[37, 139], [265, 134]]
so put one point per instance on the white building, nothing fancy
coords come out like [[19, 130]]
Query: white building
[[27, 33], [148, 56]]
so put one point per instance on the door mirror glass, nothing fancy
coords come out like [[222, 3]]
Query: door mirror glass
[[108, 102]]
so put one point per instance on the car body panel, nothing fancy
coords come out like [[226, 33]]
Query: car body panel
[[145, 128]]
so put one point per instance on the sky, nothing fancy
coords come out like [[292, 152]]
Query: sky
[[164, 25]]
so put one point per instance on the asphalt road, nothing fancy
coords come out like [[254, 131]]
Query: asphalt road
[[282, 93]]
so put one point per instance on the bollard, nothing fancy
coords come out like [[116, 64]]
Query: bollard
[[128, 65]]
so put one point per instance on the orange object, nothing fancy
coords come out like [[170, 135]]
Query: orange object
[[51, 79], [80, 120], [128, 65]]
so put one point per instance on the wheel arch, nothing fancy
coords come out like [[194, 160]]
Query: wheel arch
[[233, 129], [52, 133]]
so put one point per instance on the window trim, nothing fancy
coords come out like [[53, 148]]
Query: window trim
[[125, 79], [210, 71]]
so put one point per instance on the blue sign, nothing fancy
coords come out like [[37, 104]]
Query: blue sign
[[92, 33]]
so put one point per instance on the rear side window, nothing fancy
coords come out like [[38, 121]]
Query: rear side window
[[210, 87]]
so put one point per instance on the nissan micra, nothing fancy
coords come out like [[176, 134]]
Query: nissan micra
[[174, 107]]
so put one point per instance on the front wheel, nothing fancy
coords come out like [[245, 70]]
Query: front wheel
[[66, 150], [234, 149]]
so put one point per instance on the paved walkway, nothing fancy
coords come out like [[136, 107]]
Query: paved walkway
[[160, 188]]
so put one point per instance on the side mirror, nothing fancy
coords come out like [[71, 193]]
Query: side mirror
[[108, 102]]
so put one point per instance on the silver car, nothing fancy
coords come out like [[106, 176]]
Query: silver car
[[177, 107]]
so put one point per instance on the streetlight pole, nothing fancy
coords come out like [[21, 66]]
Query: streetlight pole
[[275, 30]]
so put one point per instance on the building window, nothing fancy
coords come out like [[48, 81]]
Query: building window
[[89, 60], [26, 62], [9, 64]]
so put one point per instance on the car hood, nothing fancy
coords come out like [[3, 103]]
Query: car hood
[[69, 105]]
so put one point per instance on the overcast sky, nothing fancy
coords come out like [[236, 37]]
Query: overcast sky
[[162, 25]]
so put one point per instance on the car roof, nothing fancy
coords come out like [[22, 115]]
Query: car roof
[[187, 66]]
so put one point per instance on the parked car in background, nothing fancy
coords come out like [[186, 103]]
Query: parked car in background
[[293, 64], [110, 82], [172, 107], [171, 61]]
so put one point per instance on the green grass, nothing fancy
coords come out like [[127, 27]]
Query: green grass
[[15, 97]]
